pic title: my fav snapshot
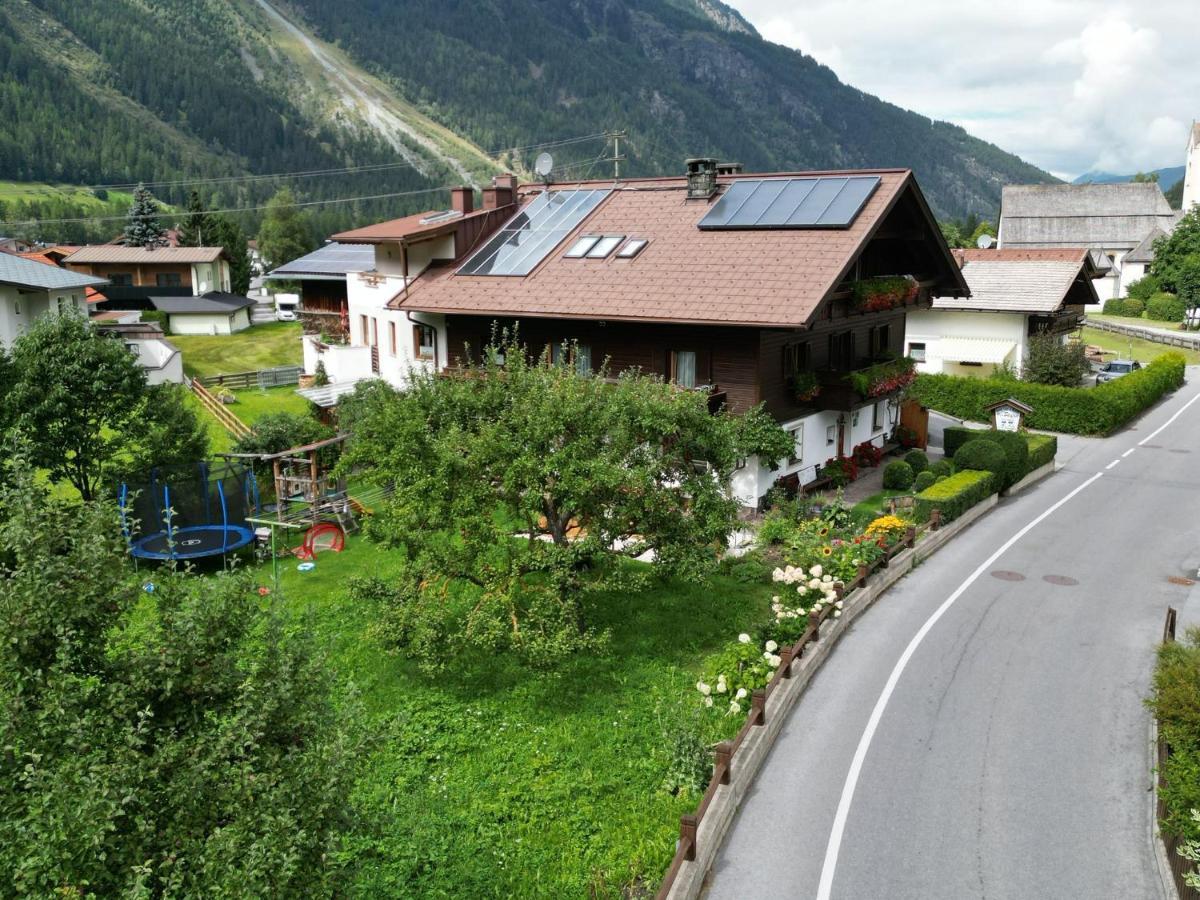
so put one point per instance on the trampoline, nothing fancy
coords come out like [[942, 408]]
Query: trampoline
[[188, 514]]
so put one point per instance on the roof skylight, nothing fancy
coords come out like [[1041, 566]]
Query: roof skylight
[[632, 248], [605, 246], [580, 248]]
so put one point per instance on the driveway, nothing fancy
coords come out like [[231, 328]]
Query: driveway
[[981, 732]]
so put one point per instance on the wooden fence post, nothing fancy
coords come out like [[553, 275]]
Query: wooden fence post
[[935, 519], [861, 579], [722, 759], [1169, 626], [687, 835], [758, 707]]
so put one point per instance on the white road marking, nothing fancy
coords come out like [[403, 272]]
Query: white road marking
[[1111, 464], [1127, 452], [1156, 431], [843, 811], [829, 866]]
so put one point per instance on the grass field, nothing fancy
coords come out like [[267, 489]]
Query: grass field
[[255, 403], [40, 192], [493, 780], [260, 347], [1142, 351]]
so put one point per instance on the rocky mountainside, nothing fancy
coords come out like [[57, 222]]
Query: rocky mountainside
[[115, 91]]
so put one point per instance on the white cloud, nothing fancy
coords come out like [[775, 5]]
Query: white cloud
[[1070, 85]]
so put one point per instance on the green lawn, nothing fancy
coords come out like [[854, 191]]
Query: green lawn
[[495, 781], [1141, 350], [259, 347], [255, 403]]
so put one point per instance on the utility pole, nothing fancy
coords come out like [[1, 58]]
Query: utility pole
[[616, 157]]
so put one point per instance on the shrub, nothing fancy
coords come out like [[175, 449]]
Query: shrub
[[940, 479], [924, 479], [1165, 308], [867, 454], [1134, 306], [1050, 361], [942, 467], [956, 494], [898, 476], [1142, 289], [1042, 449], [839, 471], [982, 455], [1176, 705], [1016, 456], [1097, 410], [1114, 307], [918, 460]]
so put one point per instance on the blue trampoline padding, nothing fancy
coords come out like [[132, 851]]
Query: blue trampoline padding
[[193, 543]]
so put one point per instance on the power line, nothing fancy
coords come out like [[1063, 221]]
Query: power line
[[239, 209], [312, 173]]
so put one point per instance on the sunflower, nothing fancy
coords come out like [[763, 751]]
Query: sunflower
[[827, 551], [823, 531]]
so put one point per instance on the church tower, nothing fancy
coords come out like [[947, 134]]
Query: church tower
[[1191, 173]]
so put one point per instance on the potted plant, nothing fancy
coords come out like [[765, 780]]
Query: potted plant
[[805, 386], [889, 292]]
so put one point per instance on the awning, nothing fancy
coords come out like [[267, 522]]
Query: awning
[[977, 350]]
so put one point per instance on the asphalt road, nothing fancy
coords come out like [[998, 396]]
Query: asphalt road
[[1012, 756]]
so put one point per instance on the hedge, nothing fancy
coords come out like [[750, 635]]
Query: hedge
[[1165, 308], [955, 495], [1097, 410], [984, 456], [1042, 448]]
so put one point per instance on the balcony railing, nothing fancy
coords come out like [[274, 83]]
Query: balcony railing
[[842, 391]]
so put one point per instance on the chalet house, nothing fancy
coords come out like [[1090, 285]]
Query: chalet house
[[322, 276], [1112, 220], [788, 289], [137, 273], [30, 290], [1015, 294]]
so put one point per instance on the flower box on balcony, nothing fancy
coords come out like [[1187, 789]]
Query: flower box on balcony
[[880, 294], [842, 391]]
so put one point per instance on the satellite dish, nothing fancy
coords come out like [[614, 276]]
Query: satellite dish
[[544, 165], [985, 242]]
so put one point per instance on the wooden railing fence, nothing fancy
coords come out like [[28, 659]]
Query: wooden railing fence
[[726, 753], [228, 420], [261, 378], [1172, 842]]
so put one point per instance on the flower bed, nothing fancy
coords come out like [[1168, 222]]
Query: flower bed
[[878, 294], [883, 378]]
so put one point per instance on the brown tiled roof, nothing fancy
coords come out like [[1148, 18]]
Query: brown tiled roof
[[113, 253], [749, 277], [404, 228]]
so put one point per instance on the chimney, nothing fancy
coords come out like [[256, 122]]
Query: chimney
[[503, 192], [701, 178], [462, 200], [729, 168]]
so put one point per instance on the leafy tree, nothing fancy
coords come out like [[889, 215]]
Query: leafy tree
[[1178, 253], [602, 470], [75, 398], [168, 431], [952, 234], [202, 228], [1145, 178], [178, 743], [285, 233], [1187, 280], [1050, 361], [980, 230], [143, 229]]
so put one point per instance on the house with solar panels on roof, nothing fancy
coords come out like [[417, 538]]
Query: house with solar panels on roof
[[322, 277], [789, 290]]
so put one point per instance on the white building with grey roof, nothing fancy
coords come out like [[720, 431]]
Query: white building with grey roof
[[30, 290], [1112, 220]]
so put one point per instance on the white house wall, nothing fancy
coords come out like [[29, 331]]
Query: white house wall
[[209, 323], [20, 309], [929, 326]]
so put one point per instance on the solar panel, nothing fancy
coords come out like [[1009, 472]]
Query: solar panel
[[529, 236], [827, 201]]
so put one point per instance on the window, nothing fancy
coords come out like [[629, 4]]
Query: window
[[364, 329], [877, 416], [632, 248], [392, 338], [683, 368], [17, 305], [605, 246], [580, 354], [374, 332], [841, 351], [881, 340], [854, 418], [583, 359], [830, 435], [167, 279], [797, 434], [121, 279], [424, 341], [917, 351], [797, 358], [580, 248]]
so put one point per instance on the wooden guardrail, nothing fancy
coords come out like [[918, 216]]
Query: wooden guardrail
[[1189, 340], [726, 753], [1179, 866], [261, 378], [228, 420]]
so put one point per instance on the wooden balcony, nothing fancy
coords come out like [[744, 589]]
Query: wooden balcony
[[843, 391]]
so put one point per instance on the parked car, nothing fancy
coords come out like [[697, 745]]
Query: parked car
[[1116, 368]]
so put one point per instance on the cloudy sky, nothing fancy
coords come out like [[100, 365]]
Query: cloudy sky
[[1069, 85]]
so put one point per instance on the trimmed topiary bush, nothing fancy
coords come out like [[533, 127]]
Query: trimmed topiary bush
[[1097, 410], [1114, 307], [982, 455], [942, 467], [1165, 308], [956, 494], [1134, 306], [1042, 449], [940, 479], [924, 480], [898, 476], [917, 460], [1016, 456], [955, 436]]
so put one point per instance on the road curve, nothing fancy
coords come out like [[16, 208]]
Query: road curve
[[1012, 756]]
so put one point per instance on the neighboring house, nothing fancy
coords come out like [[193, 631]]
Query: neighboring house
[[1014, 294], [137, 273], [51, 256], [752, 289], [161, 360], [214, 313], [15, 245], [322, 276], [30, 290], [1191, 171], [1113, 220]]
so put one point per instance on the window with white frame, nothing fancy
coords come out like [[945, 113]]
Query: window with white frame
[[878, 416], [797, 454], [830, 435], [917, 351]]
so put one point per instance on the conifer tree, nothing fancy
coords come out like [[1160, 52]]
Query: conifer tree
[[197, 227], [143, 229]]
